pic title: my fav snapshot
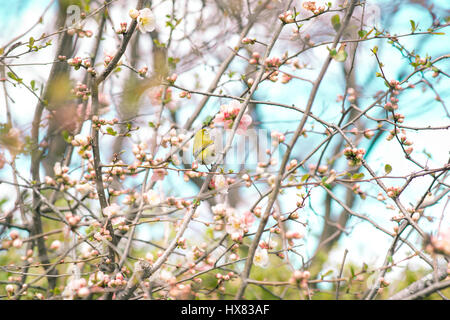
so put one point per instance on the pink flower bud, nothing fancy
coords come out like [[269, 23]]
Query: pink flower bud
[[14, 234]]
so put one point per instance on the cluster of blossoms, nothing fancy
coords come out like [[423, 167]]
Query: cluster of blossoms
[[15, 241], [219, 182], [261, 257], [172, 78], [247, 179], [72, 219], [277, 137], [368, 133], [185, 94], [285, 78], [83, 186], [182, 291], [273, 62], [322, 169], [75, 62], [262, 167], [354, 156], [156, 95], [351, 95], [255, 58], [415, 215], [404, 141], [108, 58], [392, 134], [273, 75], [236, 224], [102, 235], [78, 29], [97, 122], [300, 278], [295, 64], [181, 243], [228, 114], [123, 28], [419, 61], [76, 288], [381, 197], [119, 223], [393, 192], [159, 174], [28, 256], [143, 71], [225, 277], [140, 153], [101, 280], [195, 174], [80, 140], [398, 117], [174, 139], [61, 177], [81, 91], [292, 235], [112, 210], [143, 159], [178, 203], [357, 190], [291, 165], [151, 197], [248, 41], [311, 6], [392, 104], [195, 253], [146, 19], [439, 244], [287, 17]]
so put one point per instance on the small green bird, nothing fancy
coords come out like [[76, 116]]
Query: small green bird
[[204, 147]]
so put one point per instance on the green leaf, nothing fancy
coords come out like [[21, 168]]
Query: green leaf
[[375, 49], [413, 26], [358, 176], [207, 121], [111, 131], [336, 22], [33, 85], [159, 44], [31, 42], [66, 136], [326, 273], [14, 77], [362, 33], [151, 124], [173, 61], [387, 168], [305, 177]]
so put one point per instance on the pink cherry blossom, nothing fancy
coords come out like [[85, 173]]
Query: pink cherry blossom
[[228, 114]]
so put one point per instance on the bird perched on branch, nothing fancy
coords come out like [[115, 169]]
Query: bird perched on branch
[[204, 147]]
